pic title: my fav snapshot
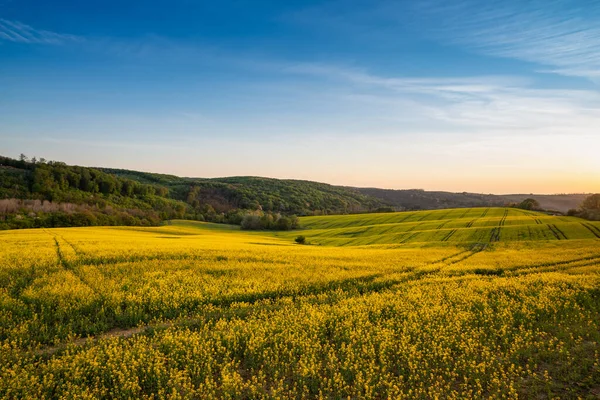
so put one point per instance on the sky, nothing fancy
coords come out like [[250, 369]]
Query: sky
[[496, 96]]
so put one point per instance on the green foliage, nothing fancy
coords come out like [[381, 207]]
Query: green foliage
[[300, 239], [529, 204], [149, 198], [284, 196], [590, 208], [592, 202], [257, 220], [52, 194]]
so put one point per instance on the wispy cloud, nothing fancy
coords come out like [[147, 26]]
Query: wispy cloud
[[557, 33], [15, 31], [563, 36], [481, 103]]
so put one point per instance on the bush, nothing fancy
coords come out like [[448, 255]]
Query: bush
[[300, 239], [284, 224], [529, 204], [251, 222]]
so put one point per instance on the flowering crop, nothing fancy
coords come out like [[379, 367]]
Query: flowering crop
[[195, 310]]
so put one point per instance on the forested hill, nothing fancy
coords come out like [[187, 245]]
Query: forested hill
[[37, 193], [416, 199], [268, 194]]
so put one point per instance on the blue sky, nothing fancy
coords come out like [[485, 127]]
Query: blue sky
[[485, 96]]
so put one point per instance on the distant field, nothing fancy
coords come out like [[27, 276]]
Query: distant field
[[481, 225], [460, 303]]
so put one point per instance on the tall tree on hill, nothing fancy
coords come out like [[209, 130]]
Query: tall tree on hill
[[592, 202]]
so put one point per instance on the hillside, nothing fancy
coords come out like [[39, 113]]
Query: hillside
[[278, 195], [415, 199], [481, 226], [52, 194], [306, 197]]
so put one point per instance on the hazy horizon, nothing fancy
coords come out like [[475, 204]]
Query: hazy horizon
[[495, 97]]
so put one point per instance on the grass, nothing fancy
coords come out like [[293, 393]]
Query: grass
[[477, 303]]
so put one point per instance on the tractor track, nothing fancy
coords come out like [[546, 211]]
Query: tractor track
[[495, 234], [595, 231], [449, 235], [556, 232]]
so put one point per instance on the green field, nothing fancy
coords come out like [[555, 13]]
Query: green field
[[455, 226], [460, 303]]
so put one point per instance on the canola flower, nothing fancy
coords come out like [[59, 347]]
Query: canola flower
[[230, 314]]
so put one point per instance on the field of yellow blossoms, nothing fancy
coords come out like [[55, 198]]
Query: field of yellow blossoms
[[453, 304]]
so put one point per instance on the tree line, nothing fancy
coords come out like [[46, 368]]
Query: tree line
[[40, 193]]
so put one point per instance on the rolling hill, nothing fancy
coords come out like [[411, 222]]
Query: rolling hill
[[452, 226], [53, 194]]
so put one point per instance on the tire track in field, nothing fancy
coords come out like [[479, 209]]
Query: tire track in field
[[76, 249], [67, 265], [465, 213], [223, 309], [555, 267], [409, 238], [495, 234], [62, 261], [414, 227], [443, 216], [475, 249], [594, 227], [443, 224], [410, 214], [595, 231], [556, 232], [425, 216], [503, 219], [441, 260], [470, 223], [588, 260], [61, 258], [462, 255], [449, 235]]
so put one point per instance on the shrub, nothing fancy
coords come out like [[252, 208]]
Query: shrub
[[300, 239]]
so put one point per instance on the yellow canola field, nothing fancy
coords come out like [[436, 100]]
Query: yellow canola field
[[196, 310]]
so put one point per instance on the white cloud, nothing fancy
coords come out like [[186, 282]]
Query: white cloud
[[490, 103], [555, 33], [563, 35], [14, 31]]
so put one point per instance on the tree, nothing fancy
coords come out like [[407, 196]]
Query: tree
[[295, 221], [300, 240], [251, 222], [267, 221], [529, 204], [284, 224], [591, 202], [590, 208], [23, 157]]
